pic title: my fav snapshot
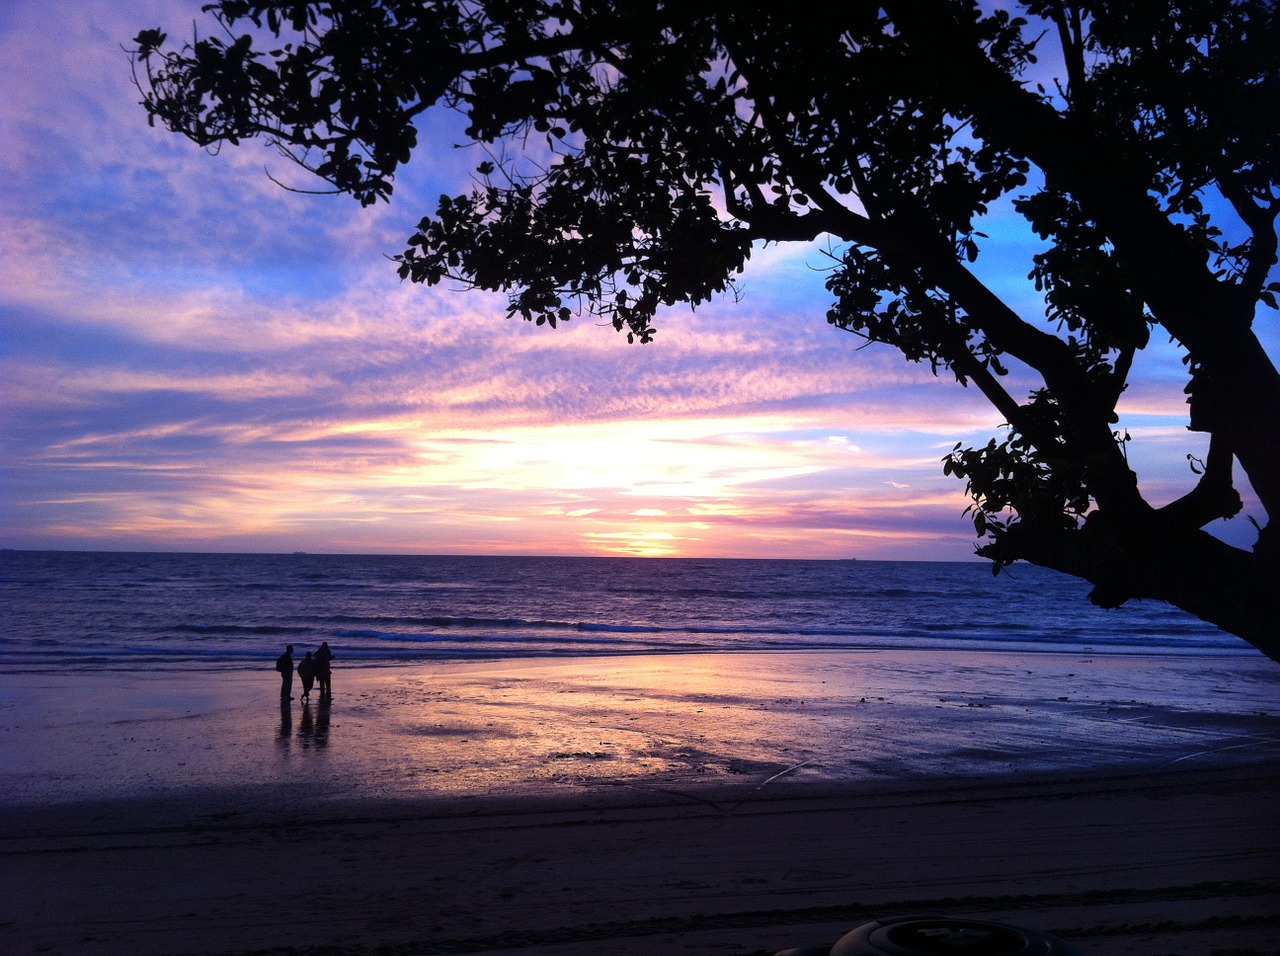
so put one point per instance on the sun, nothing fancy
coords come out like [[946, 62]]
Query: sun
[[636, 543]]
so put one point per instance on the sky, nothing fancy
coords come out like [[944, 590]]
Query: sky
[[194, 359]]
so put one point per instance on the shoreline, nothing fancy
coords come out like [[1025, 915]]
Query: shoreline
[[704, 805], [517, 726]]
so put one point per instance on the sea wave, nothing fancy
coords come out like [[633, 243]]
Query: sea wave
[[209, 611]]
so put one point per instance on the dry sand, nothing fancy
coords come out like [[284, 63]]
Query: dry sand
[[1160, 864], [678, 821]]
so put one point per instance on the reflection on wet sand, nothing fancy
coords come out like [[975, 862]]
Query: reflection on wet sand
[[313, 730], [285, 730], [761, 720], [313, 724]]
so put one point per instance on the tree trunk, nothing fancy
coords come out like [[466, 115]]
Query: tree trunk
[[1237, 590]]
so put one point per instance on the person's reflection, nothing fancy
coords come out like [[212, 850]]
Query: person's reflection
[[313, 725], [305, 728], [286, 724], [322, 723]]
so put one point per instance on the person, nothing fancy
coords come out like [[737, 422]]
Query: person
[[307, 672], [284, 664], [324, 671]]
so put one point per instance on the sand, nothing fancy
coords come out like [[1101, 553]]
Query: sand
[[735, 804]]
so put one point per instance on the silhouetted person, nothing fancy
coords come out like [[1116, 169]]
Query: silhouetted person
[[324, 670], [284, 664], [307, 672]]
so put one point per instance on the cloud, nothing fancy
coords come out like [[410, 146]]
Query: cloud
[[194, 357]]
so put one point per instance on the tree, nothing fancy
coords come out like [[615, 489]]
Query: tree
[[638, 150]]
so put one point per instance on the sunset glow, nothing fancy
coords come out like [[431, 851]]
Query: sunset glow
[[195, 359]]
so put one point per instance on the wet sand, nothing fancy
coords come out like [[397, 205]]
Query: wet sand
[[729, 804]]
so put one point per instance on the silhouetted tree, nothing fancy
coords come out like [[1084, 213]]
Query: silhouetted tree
[[638, 150]]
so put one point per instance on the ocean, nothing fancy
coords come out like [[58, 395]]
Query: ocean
[[133, 674], [83, 611]]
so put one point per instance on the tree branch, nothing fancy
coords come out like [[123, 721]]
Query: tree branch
[[1189, 569], [1214, 495], [1211, 318], [1072, 45], [1261, 221]]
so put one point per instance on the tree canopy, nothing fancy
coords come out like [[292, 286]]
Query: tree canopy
[[637, 151]]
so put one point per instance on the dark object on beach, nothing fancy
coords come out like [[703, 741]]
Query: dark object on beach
[[940, 936], [324, 670], [284, 665], [307, 672]]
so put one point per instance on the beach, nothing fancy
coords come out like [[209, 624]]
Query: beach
[[722, 804]]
